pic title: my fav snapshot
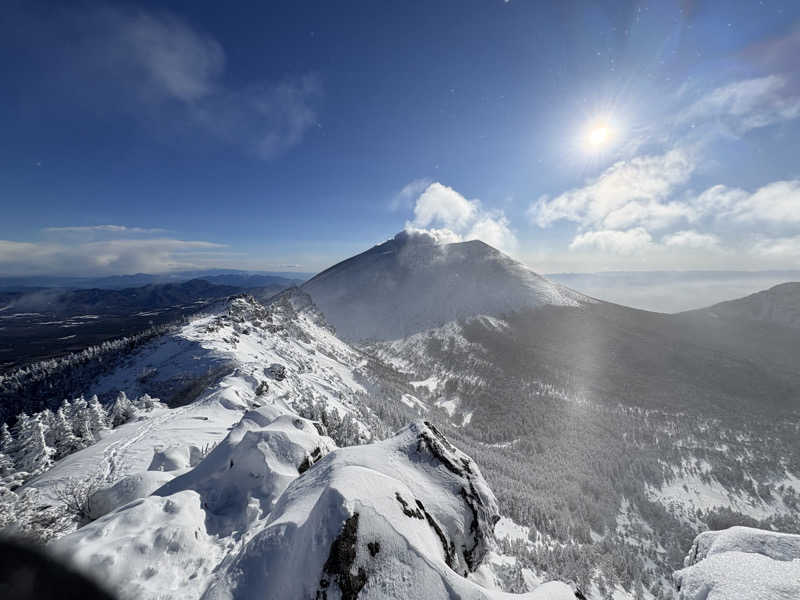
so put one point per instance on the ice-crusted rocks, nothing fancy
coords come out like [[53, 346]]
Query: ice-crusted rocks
[[741, 562], [408, 517]]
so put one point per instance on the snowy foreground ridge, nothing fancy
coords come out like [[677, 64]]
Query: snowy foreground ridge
[[739, 563], [276, 509]]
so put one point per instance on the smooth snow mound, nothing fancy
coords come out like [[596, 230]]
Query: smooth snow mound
[[127, 489], [741, 562]]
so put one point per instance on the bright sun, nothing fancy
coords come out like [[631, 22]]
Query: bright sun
[[599, 136]]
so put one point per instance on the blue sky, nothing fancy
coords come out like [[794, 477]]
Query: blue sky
[[286, 135]]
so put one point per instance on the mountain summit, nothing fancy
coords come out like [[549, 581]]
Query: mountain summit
[[412, 283]]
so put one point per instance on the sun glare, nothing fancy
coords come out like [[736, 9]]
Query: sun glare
[[599, 136]]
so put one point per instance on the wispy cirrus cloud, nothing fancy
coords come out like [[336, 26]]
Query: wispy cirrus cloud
[[113, 229], [159, 69], [740, 106]]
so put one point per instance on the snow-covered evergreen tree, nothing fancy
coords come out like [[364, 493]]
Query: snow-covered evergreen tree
[[33, 455], [6, 440], [22, 423], [81, 422], [145, 402], [122, 411], [98, 419], [65, 440], [6, 466]]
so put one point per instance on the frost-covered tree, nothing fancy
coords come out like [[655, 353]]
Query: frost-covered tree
[[81, 422], [66, 442], [6, 440], [145, 402], [33, 454], [98, 419], [122, 411], [6, 467], [22, 514]]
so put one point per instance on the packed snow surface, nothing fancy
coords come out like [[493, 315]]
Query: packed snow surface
[[411, 283], [741, 562]]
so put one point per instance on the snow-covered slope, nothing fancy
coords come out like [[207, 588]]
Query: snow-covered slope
[[412, 283], [779, 305], [222, 365], [741, 562], [232, 493]]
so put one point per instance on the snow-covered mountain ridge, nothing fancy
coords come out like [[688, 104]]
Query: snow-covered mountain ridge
[[412, 283], [779, 305], [274, 509]]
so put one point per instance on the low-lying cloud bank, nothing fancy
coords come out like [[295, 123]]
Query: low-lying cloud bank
[[65, 255], [672, 291]]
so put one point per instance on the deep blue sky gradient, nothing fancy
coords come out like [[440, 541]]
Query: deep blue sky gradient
[[487, 97]]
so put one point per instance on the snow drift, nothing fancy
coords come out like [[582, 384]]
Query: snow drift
[[741, 562]]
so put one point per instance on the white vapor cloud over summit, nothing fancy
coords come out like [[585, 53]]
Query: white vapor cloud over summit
[[450, 217]]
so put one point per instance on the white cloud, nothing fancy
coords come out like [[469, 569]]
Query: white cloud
[[627, 194], [746, 104], [777, 202], [106, 257], [442, 205], [616, 242], [779, 248], [691, 239], [495, 231], [460, 219], [435, 236], [116, 229], [405, 197], [167, 56]]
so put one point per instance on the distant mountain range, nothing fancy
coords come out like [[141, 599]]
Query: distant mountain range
[[217, 276]]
